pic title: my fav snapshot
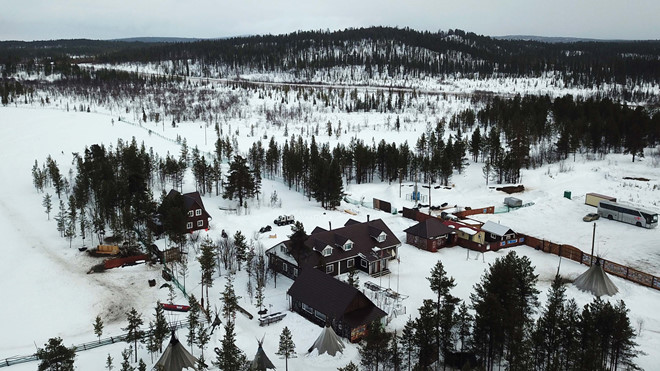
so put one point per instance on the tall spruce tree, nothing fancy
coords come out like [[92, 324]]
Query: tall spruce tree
[[207, 264], [133, 331], [193, 321], [98, 327], [161, 328], [229, 356], [287, 347], [409, 345], [240, 181], [549, 326], [445, 304], [504, 302], [373, 347]]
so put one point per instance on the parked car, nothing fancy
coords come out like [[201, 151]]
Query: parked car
[[591, 217], [265, 229]]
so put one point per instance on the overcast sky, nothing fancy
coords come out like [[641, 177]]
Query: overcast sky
[[109, 19]]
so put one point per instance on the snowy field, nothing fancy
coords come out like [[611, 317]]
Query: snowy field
[[46, 291]]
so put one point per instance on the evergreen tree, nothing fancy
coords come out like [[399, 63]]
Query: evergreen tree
[[475, 144], [203, 338], [230, 357], [126, 360], [394, 360], [61, 219], [133, 331], [408, 345], [287, 347], [142, 366], [549, 327], [299, 250], [108, 363], [504, 301], [241, 248], [98, 327], [55, 356], [230, 300], [48, 204], [193, 321], [445, 305], [207, 264], [372, 348], [426, 334], [240, 182], [349, 367], [161, 328], [150, 341], [623, 347], [464, 326]]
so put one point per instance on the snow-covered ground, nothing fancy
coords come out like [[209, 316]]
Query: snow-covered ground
[[46, 291]]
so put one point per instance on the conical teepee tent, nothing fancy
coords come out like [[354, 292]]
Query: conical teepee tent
[[261, 361], [328, 342], [595, 280], [176, 357]]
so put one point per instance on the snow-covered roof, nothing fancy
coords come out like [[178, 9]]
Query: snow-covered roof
[[495, 228], [469, 231]]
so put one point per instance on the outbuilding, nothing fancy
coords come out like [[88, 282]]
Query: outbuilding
[[594, 198]]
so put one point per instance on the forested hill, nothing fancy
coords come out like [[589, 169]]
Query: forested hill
[[395, 51], [377, 51]]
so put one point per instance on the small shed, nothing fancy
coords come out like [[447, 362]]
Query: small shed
[[495, 232], [430, 234], [594, 198], [512, 202]]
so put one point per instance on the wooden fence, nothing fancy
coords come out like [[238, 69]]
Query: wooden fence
[[481, 210], [382, 205], [575, 254]]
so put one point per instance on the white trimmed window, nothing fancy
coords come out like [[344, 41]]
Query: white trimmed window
[[327, 251], [189, 225], [284, 267], [329, 268], [295, 272], [350, 263], [200, 223], [198, 212], [348, 245], [381, 237], [364, 264], [191, 213], [307, 308]]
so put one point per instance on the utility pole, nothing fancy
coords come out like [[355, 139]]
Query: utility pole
[[593, 239]]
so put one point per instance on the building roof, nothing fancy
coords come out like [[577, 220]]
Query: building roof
[[496, 228], [429, 228], [191, 200], [363, 235], [335, 299]]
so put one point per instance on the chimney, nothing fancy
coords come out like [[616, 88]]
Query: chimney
[[330, 225]]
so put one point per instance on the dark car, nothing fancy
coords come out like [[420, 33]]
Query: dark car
[[591, 217], [265, 229]]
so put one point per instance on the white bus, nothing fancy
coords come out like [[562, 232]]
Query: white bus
[[628, 214]]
